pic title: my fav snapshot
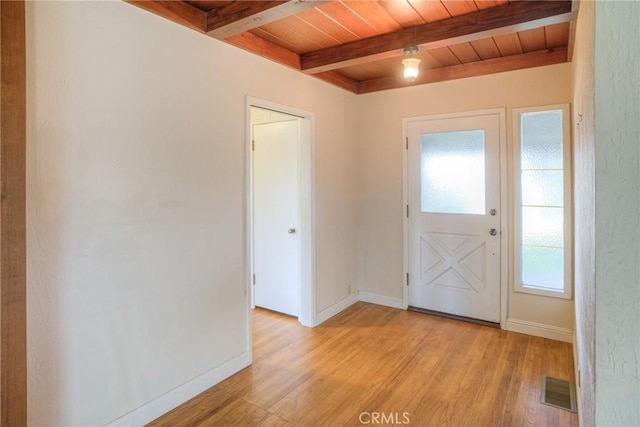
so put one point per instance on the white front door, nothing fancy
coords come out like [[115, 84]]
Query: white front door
[[454, 215], [276, 246]]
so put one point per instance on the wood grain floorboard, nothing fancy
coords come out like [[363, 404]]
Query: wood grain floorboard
[[375, 359]]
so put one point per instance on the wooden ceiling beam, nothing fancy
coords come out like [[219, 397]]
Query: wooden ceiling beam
[[265, 48], [575, 6], [339, 80], [176, 11], [239, 16], [517, 16], [489, 66], [13, 218]]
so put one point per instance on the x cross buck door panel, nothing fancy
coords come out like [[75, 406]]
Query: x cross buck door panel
[[454, 214]]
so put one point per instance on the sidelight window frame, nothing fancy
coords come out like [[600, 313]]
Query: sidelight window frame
[[519, 285]]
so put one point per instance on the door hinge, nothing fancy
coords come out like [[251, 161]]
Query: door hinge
[[254, 279], [407, 211], [407, 279], [406, 143], [253, 145]]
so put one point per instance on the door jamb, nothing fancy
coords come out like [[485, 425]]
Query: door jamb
[[306, 187], [505, 254]]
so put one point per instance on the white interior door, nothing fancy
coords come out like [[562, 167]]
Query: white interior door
[[454, 215], [276, 246]]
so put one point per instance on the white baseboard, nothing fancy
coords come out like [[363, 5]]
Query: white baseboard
[[168, 401], [336, 308], [540, 330], [380, 299]]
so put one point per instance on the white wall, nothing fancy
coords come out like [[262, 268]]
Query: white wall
[[584, 211], [607, 158], [136, 207], [380, 268], [617, 219]]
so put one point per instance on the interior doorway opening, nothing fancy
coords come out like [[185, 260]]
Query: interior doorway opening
[[279, 215]]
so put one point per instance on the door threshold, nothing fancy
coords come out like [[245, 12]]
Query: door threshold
[[454, 317], [276, 312]]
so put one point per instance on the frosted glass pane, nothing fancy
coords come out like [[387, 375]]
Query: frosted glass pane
[[543, 267], [452, 172], [542, 188], [542, 226], [541, 136]]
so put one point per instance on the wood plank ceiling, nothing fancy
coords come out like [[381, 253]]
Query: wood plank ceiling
[[358, 44]]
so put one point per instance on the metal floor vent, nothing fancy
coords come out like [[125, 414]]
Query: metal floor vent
[[558, 393]]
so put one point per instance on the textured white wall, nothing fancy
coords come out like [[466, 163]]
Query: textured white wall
[[584, 210], [380, 269], [617, 202], [136, 215]]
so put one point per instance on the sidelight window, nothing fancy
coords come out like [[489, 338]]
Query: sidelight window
[[543, 201]]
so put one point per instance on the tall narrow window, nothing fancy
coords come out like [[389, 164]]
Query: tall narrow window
[[543, 245]]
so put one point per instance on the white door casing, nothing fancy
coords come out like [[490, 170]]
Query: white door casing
[[276, 244], [454, 262]]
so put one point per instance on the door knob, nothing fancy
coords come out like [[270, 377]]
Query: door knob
[[291, 230], [493, 231]]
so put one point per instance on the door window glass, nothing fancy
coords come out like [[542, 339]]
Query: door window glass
[[452, 172]]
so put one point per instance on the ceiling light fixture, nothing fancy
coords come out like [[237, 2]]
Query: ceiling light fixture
[[411, 64]]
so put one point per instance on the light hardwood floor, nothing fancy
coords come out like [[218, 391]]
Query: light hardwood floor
[[401, 365]]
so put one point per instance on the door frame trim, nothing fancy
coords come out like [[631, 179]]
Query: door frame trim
[[306, 199], [505, 213]]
